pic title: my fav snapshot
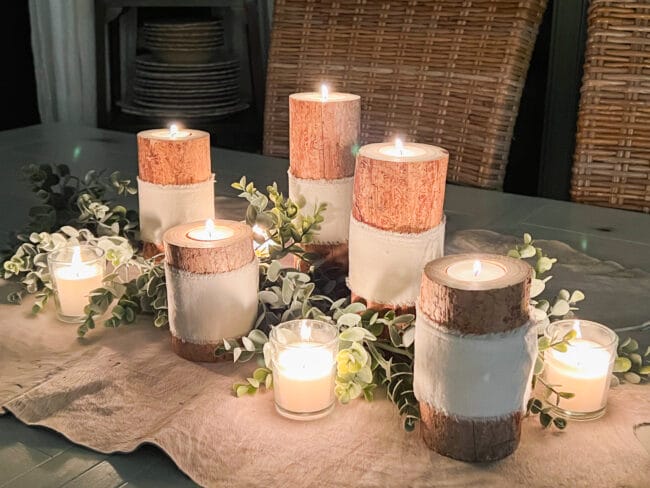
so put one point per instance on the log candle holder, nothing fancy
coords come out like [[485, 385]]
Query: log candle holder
[[475, 348], [323, 135], [397, 223], [212, 283], [175, 182]]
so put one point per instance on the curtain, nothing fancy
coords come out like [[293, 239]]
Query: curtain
[[63, 42]]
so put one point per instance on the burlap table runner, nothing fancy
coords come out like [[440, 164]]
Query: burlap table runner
[[121, 388]]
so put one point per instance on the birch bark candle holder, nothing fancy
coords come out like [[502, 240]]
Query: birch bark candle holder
[[323, 135], [212, 279], [397, 222], [175, 182], [475, 349]]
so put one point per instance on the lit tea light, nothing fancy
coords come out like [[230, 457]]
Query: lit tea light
[[210, 232], [584, 369], [76, 271], [304, 368], [401, 150], [475, 270]]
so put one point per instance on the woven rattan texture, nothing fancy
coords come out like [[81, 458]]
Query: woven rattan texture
[[442, 72], [612, 157]]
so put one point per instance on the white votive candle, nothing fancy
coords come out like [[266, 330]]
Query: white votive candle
[[75, 271], [584, 369], [304, 369], [305, 378]]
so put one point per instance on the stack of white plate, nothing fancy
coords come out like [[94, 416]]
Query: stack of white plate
[[165, 86], [184, 42]]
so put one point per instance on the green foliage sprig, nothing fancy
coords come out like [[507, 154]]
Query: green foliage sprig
[[632, 364], [128, 298], [83, 203], [280, 224], [28, 265]]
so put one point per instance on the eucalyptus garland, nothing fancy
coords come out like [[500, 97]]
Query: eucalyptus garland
[[376, 349]]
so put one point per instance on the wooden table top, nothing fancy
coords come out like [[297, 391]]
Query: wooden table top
[[38, 457]]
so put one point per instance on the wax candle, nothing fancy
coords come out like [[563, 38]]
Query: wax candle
[[584, 369], [75, 271], [210, 232], [400, 150], [304, 370], [476, 270]]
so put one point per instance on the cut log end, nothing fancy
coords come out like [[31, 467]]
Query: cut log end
[[180, 161], [471, 440], [383, 307], [149, 250], [334, 256], [399, 196], [485, 307], [198, 352], [208, 257]]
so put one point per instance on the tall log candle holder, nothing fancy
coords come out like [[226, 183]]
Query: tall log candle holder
[[323, 134], [212, 279], [175, 182], [397, 222], [475, 348]]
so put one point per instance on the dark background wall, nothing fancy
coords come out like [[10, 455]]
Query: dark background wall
[[18, 104], [542, 147]]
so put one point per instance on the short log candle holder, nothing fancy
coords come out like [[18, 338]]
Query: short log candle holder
[[212, 279], [397, 223], [475, 348], [175, 182], [323, 134]]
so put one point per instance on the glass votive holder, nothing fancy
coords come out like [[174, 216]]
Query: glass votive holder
[[75, 271], [303, 359], [585, 369]]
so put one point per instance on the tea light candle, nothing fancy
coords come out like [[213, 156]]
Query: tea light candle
[[210, 232], [75, 271], [304, 370], [476, 270], [584, 369]]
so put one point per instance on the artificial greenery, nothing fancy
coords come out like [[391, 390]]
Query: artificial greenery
[[376, 349], [632, 364]]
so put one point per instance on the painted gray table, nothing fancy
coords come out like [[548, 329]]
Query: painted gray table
[[36, 457]]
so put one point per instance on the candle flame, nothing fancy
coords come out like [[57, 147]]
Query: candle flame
[[476, 269], [305, 332], [324, 92], [210, 229], [399, 145], [576, 327], [76, 257], [173, 131]]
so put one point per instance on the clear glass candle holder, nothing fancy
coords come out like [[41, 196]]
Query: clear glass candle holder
[[75, 272], [585, 369], [303, 358]]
